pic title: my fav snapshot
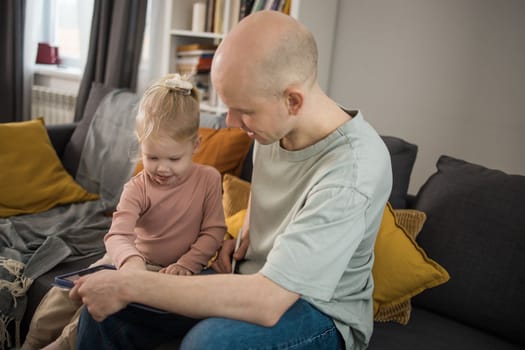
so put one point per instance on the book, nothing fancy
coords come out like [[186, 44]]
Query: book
[[258, 5], [268, 4], [195, 46], [196, 53], [210, 8], [246, 8], [286, 6], [218, 16], [235, 13]]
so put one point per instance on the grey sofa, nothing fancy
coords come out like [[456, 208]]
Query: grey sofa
[[474, 229]]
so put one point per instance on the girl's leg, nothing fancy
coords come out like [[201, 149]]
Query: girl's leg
[[52, 314], [55, 318]]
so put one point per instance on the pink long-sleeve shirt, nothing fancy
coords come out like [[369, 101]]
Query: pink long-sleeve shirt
[[183, 223]]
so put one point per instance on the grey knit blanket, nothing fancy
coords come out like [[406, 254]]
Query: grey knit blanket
[[31, 245]]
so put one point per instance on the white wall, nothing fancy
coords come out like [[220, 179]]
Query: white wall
[[447, 75]]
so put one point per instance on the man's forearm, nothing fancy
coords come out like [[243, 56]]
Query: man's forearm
[[251, 298]]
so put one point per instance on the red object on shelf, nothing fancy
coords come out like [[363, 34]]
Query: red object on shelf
[[47, 54]]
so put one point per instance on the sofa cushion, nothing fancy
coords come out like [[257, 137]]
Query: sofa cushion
[[429, 331], [412, 221], [234, 223], [235, 194], [403, 156], [33, 179], [401, 268], [225, 149], [475, 229]]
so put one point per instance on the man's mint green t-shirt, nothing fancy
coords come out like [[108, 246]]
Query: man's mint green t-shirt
[[314, 218]]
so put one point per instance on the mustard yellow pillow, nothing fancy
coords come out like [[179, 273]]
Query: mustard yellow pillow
[[401, 267], [236, 193], [33, 179], [412, 220], [234, 223], [224, 149]]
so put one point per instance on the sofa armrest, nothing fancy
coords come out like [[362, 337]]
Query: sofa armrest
[[60, 135]]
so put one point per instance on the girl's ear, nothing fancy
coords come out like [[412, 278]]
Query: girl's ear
[[294, 100]]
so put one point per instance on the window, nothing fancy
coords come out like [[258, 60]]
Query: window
[[66, 24]]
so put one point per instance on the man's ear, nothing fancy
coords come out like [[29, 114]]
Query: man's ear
[[294, 100]]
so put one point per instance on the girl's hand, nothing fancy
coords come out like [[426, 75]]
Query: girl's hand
[[175, 269]]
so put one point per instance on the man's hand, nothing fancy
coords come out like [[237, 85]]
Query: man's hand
[[223, 263], [100, 293], [175, 269]]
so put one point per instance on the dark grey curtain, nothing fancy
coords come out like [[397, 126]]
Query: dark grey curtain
[[12, 16], [115, 47]]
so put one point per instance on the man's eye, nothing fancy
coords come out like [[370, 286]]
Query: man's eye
[[153, 158], [174, 159]]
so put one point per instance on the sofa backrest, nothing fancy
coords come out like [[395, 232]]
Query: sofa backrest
[[475, 230]]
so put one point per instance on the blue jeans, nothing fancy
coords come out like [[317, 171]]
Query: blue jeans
[[301, 327]]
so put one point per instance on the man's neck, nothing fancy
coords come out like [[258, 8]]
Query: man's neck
[[317, 121]]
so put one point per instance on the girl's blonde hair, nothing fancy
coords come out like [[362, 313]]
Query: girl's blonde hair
[[172, 105]]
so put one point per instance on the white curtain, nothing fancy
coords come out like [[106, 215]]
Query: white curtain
[[155, 50], [84, 7], [33, 23]]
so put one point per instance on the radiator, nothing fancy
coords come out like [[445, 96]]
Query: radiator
[[55, 106]]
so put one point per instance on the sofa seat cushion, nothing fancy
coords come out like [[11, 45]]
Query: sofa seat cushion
[[429, 331], [475, 229]]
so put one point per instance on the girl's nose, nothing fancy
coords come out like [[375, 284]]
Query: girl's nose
[[161, 167]]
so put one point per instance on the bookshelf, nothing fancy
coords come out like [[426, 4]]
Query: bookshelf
[[318, 16]]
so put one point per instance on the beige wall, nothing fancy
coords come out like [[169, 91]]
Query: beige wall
[[447, 75]]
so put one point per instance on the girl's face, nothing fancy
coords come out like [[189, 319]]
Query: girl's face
[[165, 160]]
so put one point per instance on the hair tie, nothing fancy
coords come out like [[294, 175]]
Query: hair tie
[[178, 84]]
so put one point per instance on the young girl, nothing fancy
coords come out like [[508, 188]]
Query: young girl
[[170, 216]]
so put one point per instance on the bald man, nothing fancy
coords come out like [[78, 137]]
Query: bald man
[[321, 179]]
